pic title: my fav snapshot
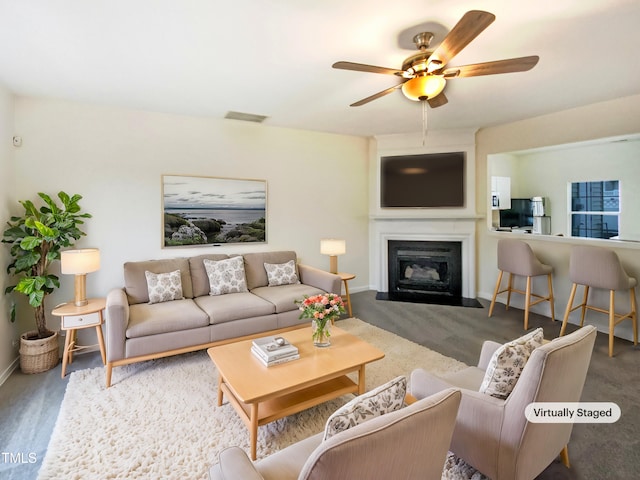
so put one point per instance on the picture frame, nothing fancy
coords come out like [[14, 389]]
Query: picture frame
[[201, 211]]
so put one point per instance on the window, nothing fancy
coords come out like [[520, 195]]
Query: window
[[595, 209]]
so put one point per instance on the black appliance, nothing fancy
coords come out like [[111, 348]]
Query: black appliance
[[519, 215]]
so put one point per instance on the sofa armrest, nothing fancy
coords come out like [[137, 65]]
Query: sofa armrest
[[488, 349], [233, 463], [116, 323], [325, 281]]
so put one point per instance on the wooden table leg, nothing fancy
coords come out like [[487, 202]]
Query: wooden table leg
[[72, 343], [220, 393], [253, 433], [346, 291], [65, 353], [361, 380]]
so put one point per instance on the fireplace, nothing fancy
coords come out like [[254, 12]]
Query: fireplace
[[425, 268]]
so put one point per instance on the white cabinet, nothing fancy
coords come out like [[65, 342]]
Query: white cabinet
[[500, 193]]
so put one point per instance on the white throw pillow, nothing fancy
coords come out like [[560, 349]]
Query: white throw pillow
[[383, 399], [226, 276], [507, 364], [281, 273], [164, 287]]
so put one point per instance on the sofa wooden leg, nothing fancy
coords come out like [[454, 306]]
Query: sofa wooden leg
[[564, 456], [109, 369]]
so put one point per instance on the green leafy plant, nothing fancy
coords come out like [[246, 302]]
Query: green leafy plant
[[35, 239]]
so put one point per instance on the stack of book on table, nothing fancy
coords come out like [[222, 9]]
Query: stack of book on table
[[274, 350]]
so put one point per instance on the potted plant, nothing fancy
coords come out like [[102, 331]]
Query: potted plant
[[35, 239]]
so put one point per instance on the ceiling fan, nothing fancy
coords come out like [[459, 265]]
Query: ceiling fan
[[424, 75]]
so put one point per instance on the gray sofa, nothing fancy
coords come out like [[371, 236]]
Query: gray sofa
[[137, 330]]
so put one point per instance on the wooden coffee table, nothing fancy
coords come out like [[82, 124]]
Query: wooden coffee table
[[262, 394]]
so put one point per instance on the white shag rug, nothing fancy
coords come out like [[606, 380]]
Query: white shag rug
[[160, 419]]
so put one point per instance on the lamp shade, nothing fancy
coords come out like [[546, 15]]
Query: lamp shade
[[332, 246], [80, 262], [423, 87]]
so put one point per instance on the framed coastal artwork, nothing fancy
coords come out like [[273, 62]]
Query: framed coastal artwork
[[201, 211]]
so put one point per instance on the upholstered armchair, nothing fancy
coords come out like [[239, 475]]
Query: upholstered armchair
[[492, 434], [408, 443]]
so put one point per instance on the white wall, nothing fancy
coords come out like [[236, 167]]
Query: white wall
[[601, 120], [114, 158], [8, 331]]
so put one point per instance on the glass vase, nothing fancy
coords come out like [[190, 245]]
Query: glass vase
[[321, 332]]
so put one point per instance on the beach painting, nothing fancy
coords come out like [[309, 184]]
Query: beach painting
[[201, 211]]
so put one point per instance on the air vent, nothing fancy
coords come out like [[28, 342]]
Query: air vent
[[246, 117]]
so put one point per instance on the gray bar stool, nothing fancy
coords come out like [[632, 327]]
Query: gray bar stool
[[517, 258], [600, 267]]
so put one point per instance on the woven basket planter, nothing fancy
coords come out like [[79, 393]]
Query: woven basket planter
[[40, 354]]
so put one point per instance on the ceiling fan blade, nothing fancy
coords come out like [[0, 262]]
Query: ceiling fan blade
[[510, 65], [438, 101], [375, 96], [361, 67], [469, 27]]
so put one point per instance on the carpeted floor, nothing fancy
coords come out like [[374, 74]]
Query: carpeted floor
[[160, 419]]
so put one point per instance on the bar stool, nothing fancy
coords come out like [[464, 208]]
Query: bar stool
[[517, 258], [600, 267]]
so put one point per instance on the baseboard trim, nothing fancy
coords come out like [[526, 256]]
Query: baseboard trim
[[9, 370]]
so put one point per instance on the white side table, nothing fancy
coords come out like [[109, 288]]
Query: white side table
[[75, 318]]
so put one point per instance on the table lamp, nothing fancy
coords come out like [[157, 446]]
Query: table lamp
[[79, 263], [333, 247]]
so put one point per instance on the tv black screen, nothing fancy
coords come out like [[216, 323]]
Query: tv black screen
[[421, 181], [519, 215]]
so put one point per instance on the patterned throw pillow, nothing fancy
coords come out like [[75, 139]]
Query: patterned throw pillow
[[226, 276], [164, 287], [383, 399], [281, 273], [507, 363]]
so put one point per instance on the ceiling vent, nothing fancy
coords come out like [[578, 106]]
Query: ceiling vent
[[246, 117]]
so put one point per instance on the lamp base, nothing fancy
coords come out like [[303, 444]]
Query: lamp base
[[80, 299], [333, 263]]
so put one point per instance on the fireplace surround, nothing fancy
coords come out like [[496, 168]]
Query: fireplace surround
[[425, 268], [459, 230]]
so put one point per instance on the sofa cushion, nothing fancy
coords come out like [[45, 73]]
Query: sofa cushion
[[383, 399], [284, 296], [281, 273], [199, 278], [164, 287], [507, 363], [254, 266], [226, 276], [151, 319], [233, 306], [135, 280]]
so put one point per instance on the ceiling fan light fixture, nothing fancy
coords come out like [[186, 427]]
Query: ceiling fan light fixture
[[434, 65], [423, 87]]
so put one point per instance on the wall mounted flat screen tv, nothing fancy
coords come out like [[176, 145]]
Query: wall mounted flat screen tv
[[434, 180]]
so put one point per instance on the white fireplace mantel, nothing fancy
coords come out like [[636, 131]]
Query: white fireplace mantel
[[458, 229]]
